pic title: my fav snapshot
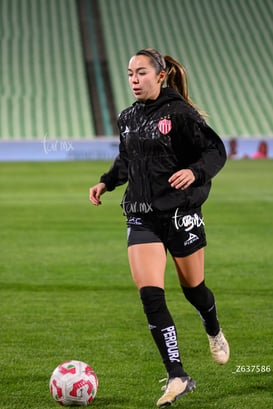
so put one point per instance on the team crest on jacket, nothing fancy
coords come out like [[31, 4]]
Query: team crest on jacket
[[165, 125]]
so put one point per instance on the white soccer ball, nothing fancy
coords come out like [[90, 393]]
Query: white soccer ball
[[73, 383]]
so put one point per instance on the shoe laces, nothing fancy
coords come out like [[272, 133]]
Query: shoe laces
[[166, 380], [218, 342]]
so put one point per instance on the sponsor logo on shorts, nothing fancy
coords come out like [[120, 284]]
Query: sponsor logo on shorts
[[192, 238], [188, 221], [135, 220]]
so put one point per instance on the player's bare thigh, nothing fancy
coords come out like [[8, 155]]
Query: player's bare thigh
[[147, 263], [190, 269]]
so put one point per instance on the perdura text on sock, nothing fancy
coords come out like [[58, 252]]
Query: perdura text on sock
[[171, 343]]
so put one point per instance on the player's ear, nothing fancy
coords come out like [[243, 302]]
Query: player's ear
[[162, 76]]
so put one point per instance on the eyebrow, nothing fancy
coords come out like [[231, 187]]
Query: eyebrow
[[138, 69]]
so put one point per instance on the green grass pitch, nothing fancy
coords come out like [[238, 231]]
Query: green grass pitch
[[66, 291]]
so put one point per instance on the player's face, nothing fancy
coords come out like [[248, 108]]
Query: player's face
[[143, 79]]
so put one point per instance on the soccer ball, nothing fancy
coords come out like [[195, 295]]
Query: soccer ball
[[73, 383]]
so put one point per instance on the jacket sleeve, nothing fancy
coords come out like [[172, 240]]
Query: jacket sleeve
[[209, 153], [118, 173]]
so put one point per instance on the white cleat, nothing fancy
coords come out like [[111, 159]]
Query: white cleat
[[175, 389], [219, 348]]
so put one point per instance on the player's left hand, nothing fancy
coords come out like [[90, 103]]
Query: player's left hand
[[182, 179]]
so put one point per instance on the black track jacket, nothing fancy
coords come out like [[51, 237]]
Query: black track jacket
[[157, 138]]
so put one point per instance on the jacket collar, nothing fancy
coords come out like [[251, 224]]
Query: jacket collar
[[166, 95]]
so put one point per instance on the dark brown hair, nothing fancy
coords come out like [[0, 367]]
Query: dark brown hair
[[176, 74]]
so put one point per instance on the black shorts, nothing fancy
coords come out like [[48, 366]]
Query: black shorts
[[181, 232]]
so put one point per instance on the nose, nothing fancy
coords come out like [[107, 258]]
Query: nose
[[135, 78]]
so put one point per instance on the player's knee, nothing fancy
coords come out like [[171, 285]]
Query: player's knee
[[200, 296], [153, 299]]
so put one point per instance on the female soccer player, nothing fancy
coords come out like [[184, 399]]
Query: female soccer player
[[168, 155]]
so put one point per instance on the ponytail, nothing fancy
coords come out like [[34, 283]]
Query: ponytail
[[176, 75], [177, 78]]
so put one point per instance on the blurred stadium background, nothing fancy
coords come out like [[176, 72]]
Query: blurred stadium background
[[66, 292], [64, 70]]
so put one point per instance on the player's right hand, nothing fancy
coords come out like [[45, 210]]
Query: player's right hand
[[95, 193]]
